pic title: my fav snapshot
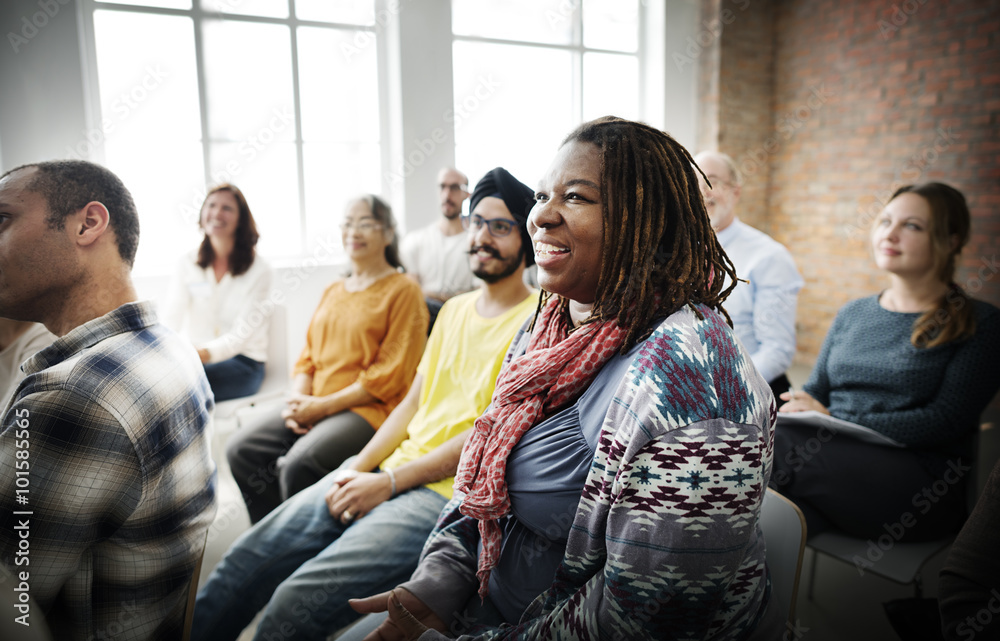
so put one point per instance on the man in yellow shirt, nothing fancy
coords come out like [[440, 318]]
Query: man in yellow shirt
[[359, 530]]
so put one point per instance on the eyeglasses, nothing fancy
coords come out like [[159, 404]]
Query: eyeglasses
[[717, 181], [496, 226], [364, 226], [452, 187]]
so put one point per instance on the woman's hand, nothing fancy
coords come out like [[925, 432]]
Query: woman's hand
[[408, 618], [302, 412], [799, 401], [355, 494], [204, 355]]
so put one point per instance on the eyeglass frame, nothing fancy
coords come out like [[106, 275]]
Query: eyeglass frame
[[720, 182], [468, 220], [364, 226]]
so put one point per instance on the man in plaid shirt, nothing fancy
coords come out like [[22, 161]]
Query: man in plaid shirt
[[106, 484]]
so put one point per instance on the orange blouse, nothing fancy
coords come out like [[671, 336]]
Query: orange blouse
[[375, 336]]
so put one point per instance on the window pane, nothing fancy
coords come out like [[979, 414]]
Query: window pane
[[268, 8], [168, 4], [360, 12], [151, 127], [269, 180], [504, 115], [338, 85], [335, 173], [168, 185], [611, 24], [146, 77], [610, 86], [548, 21], [248, 69]]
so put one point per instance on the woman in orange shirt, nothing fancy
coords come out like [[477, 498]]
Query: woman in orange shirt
[[362, 349]]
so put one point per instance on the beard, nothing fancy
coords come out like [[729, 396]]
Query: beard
[[509, 266]]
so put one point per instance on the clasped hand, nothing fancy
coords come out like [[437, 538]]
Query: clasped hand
[[302, 412], [354, 494]]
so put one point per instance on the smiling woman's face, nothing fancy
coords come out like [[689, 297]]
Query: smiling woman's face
[[567, 225]]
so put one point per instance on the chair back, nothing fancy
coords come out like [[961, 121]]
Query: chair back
[[784, 530], [276, 372]]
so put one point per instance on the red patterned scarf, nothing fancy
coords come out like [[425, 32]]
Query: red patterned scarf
[[552, 373]]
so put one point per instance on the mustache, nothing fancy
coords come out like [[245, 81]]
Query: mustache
[[489, 250]]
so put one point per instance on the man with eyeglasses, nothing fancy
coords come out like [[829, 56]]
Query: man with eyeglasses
[[360, 529], [763, 310], [435, 256]]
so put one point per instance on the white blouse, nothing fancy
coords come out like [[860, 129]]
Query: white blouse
[[228, 317]]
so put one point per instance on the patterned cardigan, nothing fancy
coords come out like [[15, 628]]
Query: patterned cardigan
[[666, 541]]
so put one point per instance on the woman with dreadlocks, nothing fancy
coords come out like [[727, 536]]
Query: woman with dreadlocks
[[612, 489]]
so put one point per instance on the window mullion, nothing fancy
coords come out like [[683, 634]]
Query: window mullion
[[578, 50], [198, 18], [297, 106]]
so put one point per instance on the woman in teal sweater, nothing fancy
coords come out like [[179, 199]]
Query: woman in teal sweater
[[917, 363]]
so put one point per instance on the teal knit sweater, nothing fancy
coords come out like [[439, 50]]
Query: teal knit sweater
[[869, 373]]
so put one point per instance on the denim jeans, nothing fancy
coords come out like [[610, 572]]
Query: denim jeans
[[236, 377], [304, 566]]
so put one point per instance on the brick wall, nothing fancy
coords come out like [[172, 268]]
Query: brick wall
[[746, 79], [864, 96]]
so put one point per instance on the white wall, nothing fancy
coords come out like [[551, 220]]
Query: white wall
[[42, 96]]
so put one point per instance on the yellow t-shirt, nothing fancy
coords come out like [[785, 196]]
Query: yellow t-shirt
[[459, 367]]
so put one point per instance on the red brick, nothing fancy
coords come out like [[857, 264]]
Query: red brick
[[940, 69]]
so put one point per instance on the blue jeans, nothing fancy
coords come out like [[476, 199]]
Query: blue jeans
[[304, 566], [236, 377]]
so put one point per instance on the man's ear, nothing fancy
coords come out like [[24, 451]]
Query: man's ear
[[90, 223]]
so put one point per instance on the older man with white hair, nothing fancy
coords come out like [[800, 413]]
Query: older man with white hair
[[763, 309]]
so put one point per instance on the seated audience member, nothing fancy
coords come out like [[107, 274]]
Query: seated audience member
[[762, 309], [361, 528], [218, 297], [435, 255], [916, 363], [613, 488], [18, 341], [108, 425], [362, 348], [969, 592]]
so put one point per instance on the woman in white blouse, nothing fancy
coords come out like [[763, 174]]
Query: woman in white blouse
[[219, 293]]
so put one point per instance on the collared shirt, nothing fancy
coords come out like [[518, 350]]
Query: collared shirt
[[107, 488], [440, 263], [763, 310], [226, 317]]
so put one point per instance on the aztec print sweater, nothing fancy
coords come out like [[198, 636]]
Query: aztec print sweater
[[666, 542]]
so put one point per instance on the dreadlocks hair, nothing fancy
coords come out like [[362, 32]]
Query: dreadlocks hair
[[953, 317], [246, 237], [659, 252]]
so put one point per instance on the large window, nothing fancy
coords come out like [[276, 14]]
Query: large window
[[297, 101], [280, 97], [526, 72]]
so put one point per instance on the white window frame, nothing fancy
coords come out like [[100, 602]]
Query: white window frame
[[199, 16]]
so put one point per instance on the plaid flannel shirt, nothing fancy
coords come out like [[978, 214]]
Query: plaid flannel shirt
[[106, 484]]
